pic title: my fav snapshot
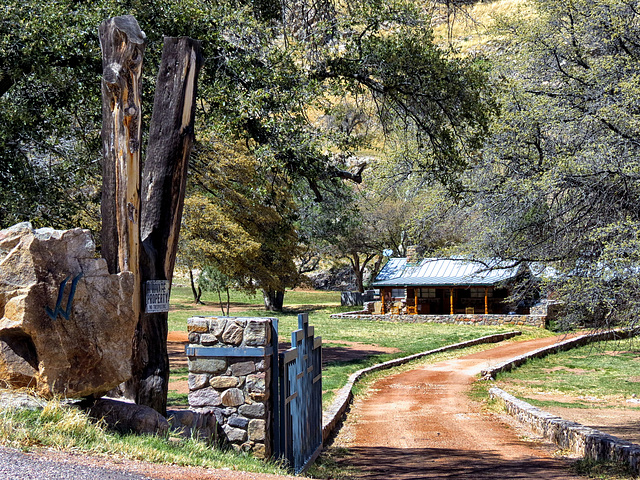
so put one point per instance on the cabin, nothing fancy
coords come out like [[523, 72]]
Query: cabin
[[444, 286]]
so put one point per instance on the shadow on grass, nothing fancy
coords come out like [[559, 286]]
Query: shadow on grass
[[212, 306], [340, 356]]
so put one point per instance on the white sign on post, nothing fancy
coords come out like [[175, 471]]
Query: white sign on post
[[157, 296]]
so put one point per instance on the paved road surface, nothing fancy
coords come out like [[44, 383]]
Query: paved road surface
[[16, 465]]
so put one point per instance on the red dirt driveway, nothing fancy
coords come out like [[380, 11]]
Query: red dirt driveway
[[420, 424]]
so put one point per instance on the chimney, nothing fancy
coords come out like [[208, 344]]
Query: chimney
[[413, 254]]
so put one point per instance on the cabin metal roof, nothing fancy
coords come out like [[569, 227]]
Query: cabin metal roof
[[441, 272]]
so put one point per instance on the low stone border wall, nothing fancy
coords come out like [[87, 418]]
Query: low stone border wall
[[559, 347], [332, 416], [459, 319], [582, 440]]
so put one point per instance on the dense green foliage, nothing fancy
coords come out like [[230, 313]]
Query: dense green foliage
[[281, 92], [558, 181], [49, 111]]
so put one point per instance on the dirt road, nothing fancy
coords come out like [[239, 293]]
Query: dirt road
[[421, 424]]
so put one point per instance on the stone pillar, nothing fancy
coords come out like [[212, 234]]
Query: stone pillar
[[413, 254], [230, 361]]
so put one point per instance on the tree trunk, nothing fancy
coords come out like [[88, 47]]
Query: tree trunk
[[359, 280], [357, 271], [359, 268], [197, 292], [171, 137], [122, 44], [228, 301], [273, 300], [220, 300], [376, 267]]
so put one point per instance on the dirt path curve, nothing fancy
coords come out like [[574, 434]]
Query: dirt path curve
[[420, 424]]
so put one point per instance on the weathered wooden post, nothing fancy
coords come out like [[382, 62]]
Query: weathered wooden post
[[122, 43], [171, 136], [140, 233]]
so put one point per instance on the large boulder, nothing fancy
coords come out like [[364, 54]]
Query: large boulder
[[66, 324]]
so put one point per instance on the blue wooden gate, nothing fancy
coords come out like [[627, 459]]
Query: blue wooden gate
[[300, 402]]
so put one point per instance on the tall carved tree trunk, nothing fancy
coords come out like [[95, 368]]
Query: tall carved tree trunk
[[143, 238], [122, 44], [171, 137]]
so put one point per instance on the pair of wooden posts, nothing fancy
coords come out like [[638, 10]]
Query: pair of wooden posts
[[141, 219]]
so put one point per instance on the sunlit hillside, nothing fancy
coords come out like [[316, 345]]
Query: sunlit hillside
[[469, 28]]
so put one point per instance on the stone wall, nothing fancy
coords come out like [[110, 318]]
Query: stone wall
[[230, 379], [461, 319], [582, 440], [550, 308]]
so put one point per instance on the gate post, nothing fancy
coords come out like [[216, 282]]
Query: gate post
[[230, 377], [263, 402]]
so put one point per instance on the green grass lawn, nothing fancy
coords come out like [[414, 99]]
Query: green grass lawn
[[183, 307], [407, 338], [603, 372]]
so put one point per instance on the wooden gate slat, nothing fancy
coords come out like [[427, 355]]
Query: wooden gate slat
[[301, 412]]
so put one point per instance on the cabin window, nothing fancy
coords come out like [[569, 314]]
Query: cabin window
[[427, 293], [398, 293], [479, 292]]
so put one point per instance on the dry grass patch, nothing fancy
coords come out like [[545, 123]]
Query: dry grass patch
[[470, 29]]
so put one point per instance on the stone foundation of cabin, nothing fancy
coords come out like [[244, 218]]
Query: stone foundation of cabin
[[459, 319]]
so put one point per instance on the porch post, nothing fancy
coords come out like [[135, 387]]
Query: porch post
[[486, 300], [382, 301], [451, 300]]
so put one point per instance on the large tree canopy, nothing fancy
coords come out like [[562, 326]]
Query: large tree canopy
[[271, 76], [559, 179], [250, 235]]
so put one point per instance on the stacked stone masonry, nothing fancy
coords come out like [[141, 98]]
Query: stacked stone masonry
[[580, 439], [461, 319], [572, 436], [232, 389]]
